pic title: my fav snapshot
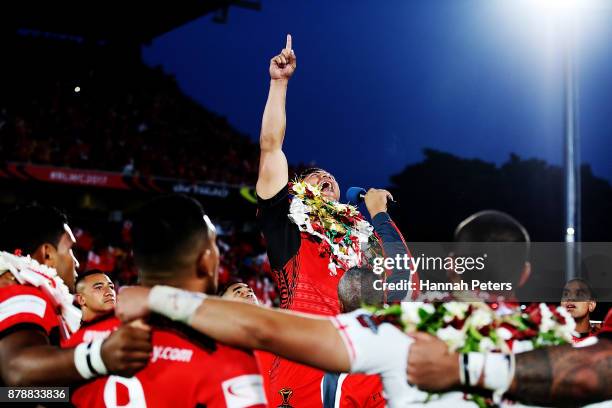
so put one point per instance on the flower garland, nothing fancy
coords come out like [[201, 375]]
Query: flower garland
[[28, 271], [477, 326], [341, 227]]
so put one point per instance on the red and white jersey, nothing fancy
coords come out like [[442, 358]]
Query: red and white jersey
[[186, 369], [606, 327], [96, 329], [28, 305]]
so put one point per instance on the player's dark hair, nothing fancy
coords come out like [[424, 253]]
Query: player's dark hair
[[356, 288], [166, 233], [26, 228], [81, 276], [309, 171], [504, 263], [586, 284]]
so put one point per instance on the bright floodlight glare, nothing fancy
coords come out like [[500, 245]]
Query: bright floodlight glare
[[77, 89], [570, 231]]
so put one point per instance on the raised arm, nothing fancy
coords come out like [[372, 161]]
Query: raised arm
[[273, 168]]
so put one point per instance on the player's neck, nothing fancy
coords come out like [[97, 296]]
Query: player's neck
[[583, 325]]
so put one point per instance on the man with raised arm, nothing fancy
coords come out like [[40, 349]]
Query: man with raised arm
[[312, 239]]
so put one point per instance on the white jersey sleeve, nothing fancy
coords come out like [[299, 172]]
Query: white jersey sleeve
[[379, 349]]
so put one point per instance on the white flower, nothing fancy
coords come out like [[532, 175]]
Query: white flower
[[429, 308], [565, 330], [454, 338], [486, 344], [298, 213], [522, 346], [455, 310], [480, 318], [548, 322], [504, 333], [410, 312], [299, 188]]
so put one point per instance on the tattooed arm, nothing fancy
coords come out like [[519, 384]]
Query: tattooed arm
[[559, 376], [564, 375]]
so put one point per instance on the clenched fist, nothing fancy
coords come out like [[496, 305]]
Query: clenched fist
[[283, 65], [376, 201], [127, 350], [431, 366], [132, 303]]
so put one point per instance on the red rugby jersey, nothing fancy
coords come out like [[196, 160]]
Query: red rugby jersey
[[186, 369], [28, 305], [306, 285], [99, 328]]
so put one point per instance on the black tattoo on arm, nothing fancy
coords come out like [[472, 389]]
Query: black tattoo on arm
[[564, 376]]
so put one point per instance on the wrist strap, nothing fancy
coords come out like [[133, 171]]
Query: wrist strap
[[95, 353], [80, 360], [176, 304]]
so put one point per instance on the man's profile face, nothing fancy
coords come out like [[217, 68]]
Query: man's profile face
[[577, 299], [241, 292], [97, 293], [326, 182], [64, 261]]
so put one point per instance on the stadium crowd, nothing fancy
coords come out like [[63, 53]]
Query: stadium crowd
[[85, 111]]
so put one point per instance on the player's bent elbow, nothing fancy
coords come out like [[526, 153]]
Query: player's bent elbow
[[269, 142]]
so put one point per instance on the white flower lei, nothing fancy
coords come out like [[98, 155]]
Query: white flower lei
[[28, 271], [300, 212]]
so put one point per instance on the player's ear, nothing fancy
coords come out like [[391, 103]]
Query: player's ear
[[592, 306], [525, 274], [46, 254], [204, 268], [80, 299]]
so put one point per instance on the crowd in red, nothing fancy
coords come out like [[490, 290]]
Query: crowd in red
[[243, 257], [86, 111]]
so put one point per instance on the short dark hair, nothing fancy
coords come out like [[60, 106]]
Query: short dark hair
[[26, 228], [356, 288], [226, 286], [81, 276], [586, 284], [492, 226], [166, 231], [309, 171]]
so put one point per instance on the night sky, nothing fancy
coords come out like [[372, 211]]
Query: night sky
[[379, 81]]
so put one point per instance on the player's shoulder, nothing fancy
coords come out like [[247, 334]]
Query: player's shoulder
[[26, 304], [19, 298], [10, 291]]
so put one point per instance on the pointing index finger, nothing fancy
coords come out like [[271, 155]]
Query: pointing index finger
[[288, 45]]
